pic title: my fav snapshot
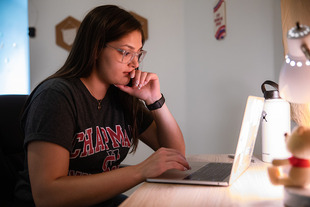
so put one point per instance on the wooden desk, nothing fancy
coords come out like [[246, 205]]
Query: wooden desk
[[251, 189]]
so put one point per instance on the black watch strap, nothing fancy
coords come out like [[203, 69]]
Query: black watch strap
[[157, 104]]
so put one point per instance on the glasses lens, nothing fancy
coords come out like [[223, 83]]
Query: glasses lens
[[141, 56], [127, 57]]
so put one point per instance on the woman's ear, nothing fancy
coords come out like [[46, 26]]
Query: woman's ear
[[98, 50]]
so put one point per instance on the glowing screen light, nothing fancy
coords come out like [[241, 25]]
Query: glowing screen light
[[14, 47]]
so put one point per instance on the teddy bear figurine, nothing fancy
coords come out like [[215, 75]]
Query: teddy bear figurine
[[298, 144]]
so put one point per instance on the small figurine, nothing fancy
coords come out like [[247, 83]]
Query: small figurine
[[298, 143]]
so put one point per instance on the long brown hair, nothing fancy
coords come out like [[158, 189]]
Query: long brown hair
[[100, 26]]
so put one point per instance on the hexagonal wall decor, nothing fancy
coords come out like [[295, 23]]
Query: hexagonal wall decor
[[66, 31], [143, 22]]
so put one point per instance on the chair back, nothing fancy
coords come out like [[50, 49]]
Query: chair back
[[11, 143]]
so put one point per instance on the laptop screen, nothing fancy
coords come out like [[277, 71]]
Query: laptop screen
[[247, 136]]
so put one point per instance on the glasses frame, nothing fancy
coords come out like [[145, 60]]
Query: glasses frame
[[141, 54]]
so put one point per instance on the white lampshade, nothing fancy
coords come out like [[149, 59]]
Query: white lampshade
[[294, 82]]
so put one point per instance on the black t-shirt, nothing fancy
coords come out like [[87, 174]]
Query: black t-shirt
[[65, 113]]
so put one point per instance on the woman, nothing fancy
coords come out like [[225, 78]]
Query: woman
[[84, 119]]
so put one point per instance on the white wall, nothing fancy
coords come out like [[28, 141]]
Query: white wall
[[221, 74], [205, 81]]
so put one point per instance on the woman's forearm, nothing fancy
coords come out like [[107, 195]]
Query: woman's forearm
[[87, 190], [51, 186], [168, 131]]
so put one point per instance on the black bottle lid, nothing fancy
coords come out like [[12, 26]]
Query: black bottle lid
[[270, 94]]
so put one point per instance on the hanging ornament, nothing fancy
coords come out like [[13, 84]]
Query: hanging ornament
[[219, 11], [66, 31]]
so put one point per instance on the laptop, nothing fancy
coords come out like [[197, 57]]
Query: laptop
[[223, 173]]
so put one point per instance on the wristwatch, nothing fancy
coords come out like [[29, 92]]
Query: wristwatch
[[157, 104]]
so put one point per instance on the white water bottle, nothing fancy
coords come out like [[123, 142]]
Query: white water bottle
[[276, 121]]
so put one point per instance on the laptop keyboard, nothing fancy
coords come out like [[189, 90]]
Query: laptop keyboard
[[211, 172]]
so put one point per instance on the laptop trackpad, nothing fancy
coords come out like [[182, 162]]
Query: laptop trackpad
[[177, 174]]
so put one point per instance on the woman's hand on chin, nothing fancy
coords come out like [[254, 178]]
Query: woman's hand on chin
[[145, 86]]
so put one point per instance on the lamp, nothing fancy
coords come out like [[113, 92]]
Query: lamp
[[294, 82], [294, 86]]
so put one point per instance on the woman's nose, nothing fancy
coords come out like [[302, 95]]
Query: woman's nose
[[134, 62]]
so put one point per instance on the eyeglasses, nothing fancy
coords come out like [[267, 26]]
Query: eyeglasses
[[128, 56]]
